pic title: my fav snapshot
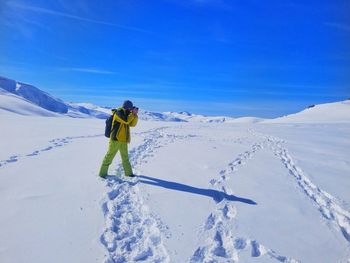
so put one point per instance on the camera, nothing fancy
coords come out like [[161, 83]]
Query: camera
[[135, 110]]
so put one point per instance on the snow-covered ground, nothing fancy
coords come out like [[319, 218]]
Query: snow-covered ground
[[206, 192], [210, 189]]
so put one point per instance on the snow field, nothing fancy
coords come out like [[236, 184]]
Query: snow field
[[328, 205], [222, 245], [205, 193], [222, 241], [213, 189], [49, 203]]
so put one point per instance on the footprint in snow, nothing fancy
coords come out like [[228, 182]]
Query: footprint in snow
[[229, 211], [47, 149], [12, 159], [240, 243], [33, 153]]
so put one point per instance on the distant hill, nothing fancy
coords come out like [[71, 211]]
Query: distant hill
[[189, 117], [34, 95], [20, 98], [12, 103], [25, 99], [156, 116], [336, 112]]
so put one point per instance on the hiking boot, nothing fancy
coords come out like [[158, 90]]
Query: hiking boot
[[103, 176]]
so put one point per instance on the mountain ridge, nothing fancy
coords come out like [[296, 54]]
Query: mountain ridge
[[34, 96], [25, 99]]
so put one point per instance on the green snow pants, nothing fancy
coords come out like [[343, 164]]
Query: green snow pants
[[114, 147]]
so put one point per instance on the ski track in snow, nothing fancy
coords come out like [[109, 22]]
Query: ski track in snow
[[53, 144], [328, 205], [132, 233], [221, 244]]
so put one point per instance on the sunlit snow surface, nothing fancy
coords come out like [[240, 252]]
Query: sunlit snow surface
[[239, 191]]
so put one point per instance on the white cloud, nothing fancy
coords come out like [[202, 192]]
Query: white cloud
[[75, 17], [89, 70]]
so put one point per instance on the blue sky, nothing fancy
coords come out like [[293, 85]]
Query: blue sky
[[216, 57]]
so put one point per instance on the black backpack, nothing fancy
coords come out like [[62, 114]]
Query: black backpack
[[108, 128]]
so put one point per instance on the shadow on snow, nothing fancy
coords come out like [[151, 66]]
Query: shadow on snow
[[218, 196]]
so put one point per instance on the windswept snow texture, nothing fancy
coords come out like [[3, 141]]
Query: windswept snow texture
[[205, 192]]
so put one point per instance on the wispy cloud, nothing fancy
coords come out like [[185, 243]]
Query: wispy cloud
[[89, 70], [341, 26], [74, 17], [221, 4]]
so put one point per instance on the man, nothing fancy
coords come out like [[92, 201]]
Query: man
[[123, 118]]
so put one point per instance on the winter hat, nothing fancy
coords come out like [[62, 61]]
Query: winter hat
[[127, 105]]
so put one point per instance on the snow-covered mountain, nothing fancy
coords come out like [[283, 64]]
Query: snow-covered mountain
[[189, 117], [91, 106], [156, 116], [12, 103], [34, 95], [26, 99], [84, 110]]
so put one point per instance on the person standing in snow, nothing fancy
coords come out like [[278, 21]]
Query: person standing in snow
[[123, 118]]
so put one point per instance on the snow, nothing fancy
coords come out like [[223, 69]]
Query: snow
[[12, 103], [249, 190], [155, 116], [45, 101], [186, 116], [246, 120], [34, 95], [87, 110], [336, 112], [10, 90], [91, 106]]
